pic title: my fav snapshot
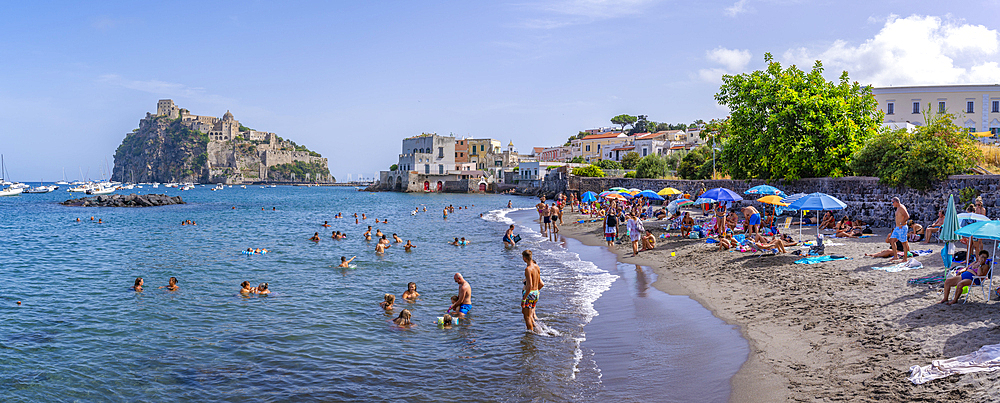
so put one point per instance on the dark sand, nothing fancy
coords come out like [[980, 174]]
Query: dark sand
[[833, 331]]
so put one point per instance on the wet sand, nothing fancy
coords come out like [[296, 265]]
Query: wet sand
[[832, 331]]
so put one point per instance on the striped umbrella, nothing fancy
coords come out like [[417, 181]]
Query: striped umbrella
[[684, 202]]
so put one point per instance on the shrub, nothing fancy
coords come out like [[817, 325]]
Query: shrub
[[393, 167], [630, 174], [577, 160], [918, 158], [589, 170], [630, 160], [608, 164], [651, 166]]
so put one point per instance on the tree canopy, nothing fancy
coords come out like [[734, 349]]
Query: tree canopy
[[630, 160], [608, 164], [790, 124], [589, 170], [916, 159], [651, 166], [624, 120]]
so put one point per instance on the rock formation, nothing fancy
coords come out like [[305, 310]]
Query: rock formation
[[176, 146], [132, 200]]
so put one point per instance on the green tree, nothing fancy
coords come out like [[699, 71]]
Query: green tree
[[608, 164], [640, 125], [393, 167], [651, 166], [579, 135], [916, 159], [690, 165], [577, 160], [790, 124], [589, 170], [624, 120], [630, 160]]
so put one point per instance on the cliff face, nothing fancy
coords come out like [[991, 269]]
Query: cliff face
[[161, 150]]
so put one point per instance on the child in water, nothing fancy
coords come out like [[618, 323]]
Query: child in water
[[403, 320], [411, 293], [447, 321], [387, 304]]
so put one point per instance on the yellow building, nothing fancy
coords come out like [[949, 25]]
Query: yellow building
[[481, 152], [592, 145], [975, 107]]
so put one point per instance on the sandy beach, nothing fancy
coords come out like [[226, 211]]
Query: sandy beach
[[832, 331]]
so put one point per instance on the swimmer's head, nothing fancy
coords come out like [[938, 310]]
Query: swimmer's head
[[447, 320], [411, 286], [390, 299], [172, 281], [245, 284], [262, 287], [138, 281], [527, 256], [405, 315], [454, 299]]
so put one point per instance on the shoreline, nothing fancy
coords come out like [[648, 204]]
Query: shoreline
[[829, 331]]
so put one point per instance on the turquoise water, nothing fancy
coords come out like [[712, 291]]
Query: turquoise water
[[82, 334]]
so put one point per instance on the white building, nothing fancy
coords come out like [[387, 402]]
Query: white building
[[975, 107]]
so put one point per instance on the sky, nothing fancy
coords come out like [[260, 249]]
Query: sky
[[351, 79]]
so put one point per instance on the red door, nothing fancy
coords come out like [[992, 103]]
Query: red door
[[427, 186], [482, 187], [439, 186]]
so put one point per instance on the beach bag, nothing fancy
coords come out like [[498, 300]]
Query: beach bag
[[517, 238], [866, 231], [959, 256]]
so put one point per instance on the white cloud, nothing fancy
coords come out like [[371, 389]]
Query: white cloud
[[737, 8], [732, 60], [917, 50]]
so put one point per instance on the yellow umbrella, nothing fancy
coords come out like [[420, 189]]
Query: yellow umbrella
[[772, 199], [669, 192], [982, 134]]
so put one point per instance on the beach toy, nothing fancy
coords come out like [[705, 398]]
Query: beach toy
[[440, 320], [454, 321], [19, 302], [965, 290], [673, 253]]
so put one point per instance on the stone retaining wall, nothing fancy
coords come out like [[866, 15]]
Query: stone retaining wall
[[866, 199]]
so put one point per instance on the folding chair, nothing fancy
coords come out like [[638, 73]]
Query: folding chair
[[983, 287], [787, 224]]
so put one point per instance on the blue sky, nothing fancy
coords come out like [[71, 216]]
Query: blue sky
[[350, 79]]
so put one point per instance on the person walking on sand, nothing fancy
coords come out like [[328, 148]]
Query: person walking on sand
[[543, 215], [900, 231], [553, 217], [635, 231], [611, 228], [529, 294], [464, 302]]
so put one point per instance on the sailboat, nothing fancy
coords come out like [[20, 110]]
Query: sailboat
[[10, 190], [63, 181]]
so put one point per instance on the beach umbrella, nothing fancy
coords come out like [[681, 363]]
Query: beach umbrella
[[973, 216], [605, 193], [588, 197], [615, 196], [626, 195], [772, 199], [947, 234], [684, 202], [649, 194], [668, 192], [816, 201], [617, 189], [634, 190], [981, 230], [702, 200], [722, 195], [764, 190], [790, 200]]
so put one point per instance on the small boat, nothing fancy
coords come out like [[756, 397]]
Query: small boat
[[83, 188], [101, 191], [243, 187], [187, 187], [10, 192], [41, 188]]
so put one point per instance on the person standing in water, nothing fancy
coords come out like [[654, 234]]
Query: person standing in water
[[463, 304], [344, 262], [529, 294], [508, 237]]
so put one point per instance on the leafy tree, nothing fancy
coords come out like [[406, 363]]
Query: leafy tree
[[608, 164], [640, 125], [792, 124], [589, 170], [916, 159], [579, 135], [577, 160], [624, 120], [651, 166], [630, 160], [690, 165], [393, 167]]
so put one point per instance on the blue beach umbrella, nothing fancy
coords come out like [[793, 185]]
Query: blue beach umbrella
[[627, 195], [981, 230], [702, 200], [817, 201], [764, 190], [649, 194], [588, 197], [722, 195], [792, 198]]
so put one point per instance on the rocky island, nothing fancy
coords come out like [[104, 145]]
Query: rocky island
[[175, 146], [132, 200]]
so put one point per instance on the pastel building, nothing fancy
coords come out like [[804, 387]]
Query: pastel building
[[975, 107], [592, 145]]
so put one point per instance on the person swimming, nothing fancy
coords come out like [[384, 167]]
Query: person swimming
[[455, 242], [137, 287], [262, 289], [403, 320], [396, 238], [380, 248], [389, 300], [344, 262], [246, 289], [411, 292], [171, 284], [315, 237], [326, 224], [409, 245], [378, 233], [463, 242], [446, 323]]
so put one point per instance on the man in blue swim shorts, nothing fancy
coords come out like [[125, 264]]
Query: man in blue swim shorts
[[464, 302], [752, 217], [900, 231]]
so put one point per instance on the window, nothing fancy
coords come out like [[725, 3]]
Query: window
[[598, 147], [995, 130], [427, 168], [970, 107], [890, 108], [482, 147], [588, 147], [941, 107], [440, 152], [440, 169], [996, 106], [643, 151], [916, 107]]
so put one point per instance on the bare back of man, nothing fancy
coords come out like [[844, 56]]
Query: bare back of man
[[464, 303], [529, 294]]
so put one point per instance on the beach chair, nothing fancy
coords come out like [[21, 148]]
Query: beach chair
[[787, 224], [985, 284]]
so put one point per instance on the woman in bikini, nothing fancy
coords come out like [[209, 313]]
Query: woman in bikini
[[934, 227]]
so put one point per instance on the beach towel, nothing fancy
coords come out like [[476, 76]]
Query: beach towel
[[922, 252], [931, 279], [907, 265], [819, 259], [986, 359]]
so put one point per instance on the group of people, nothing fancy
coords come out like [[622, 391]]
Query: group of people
[[549, 216], [171, 284]]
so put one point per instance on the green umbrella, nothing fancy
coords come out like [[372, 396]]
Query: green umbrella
[[950, 225], [948, 233]]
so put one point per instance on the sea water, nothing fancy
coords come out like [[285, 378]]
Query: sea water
[[81, 334]]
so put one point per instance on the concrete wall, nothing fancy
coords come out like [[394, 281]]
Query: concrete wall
[[865, 197]]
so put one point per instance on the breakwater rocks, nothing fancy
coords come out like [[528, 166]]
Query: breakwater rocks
[[132, 200]]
